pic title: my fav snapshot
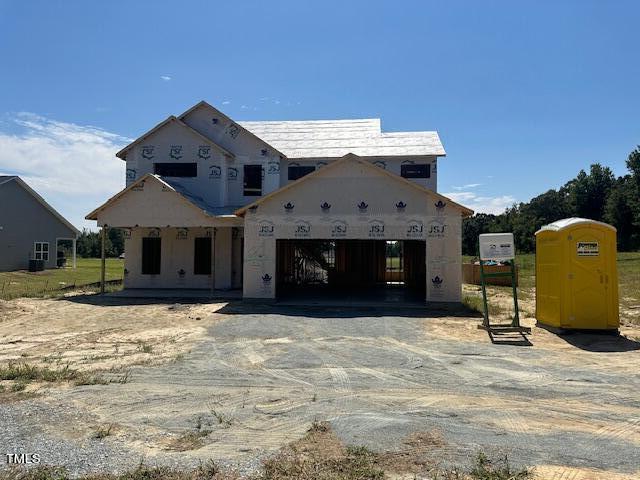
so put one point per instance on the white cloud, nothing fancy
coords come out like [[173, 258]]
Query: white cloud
[[480, 204], [72, 166], [467, 186], [226, 102], [166, 78], [244, 107]]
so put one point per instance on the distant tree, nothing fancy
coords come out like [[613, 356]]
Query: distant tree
[[588, 193], [619, 212]]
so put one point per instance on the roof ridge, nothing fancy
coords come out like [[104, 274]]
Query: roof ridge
[[332, 120]]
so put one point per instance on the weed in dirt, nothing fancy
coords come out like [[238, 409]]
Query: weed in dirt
[[18, 386], [322, 427], [485, 469], [222, 419], [102, 432], [145, 348], [122, 379]]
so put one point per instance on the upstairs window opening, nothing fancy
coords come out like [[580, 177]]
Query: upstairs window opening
[[176, 169], [298, 171], [410, 170], [252, 180]]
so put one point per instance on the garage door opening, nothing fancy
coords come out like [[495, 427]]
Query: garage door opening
[[380, 270]]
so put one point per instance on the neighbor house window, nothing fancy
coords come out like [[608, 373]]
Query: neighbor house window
[[202, 256], [176, 169], [41, 251], [298, 171], [252, 180], [151, 248], [410, 170]]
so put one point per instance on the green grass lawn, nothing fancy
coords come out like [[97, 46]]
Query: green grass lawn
[[52, 282], [628, 279]]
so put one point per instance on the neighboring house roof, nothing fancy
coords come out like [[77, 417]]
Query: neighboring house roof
[[336, 138], [172, 119], [466, 212], [217, 112], [4, 179], [174, 186]]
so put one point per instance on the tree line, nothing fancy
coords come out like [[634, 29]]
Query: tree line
[[597, 195], [89, 243]]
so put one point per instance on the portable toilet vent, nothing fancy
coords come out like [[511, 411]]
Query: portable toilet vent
[[576, 275]]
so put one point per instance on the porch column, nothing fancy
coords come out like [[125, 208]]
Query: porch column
[[213, 260], [103, 236]]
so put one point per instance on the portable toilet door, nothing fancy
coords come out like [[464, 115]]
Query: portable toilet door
[[589, 297]]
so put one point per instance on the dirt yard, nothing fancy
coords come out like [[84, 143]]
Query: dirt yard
[[178, 384]]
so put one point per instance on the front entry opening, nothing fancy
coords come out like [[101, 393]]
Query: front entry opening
[[355, 269]]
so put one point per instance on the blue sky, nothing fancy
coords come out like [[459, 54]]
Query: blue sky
[[523, 94]]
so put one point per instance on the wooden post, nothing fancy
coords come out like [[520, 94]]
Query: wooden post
[[213, 260], [103, 258], [75, 245]]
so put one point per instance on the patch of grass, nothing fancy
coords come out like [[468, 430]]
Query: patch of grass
[[91, 380], [145, 348], [192, 440], [57, 281], [25, 372], [206, 471], [99, 379], [319, 455], [485, 469], [474, 302]]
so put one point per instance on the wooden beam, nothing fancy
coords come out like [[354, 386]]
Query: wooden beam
[[103, 265]]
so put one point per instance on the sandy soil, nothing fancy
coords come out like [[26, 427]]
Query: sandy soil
[[92, 334]]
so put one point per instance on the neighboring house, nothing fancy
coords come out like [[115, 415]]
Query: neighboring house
[[270, 207], [29, 227]]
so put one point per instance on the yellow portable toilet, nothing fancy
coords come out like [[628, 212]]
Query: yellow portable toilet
[[576, 275]]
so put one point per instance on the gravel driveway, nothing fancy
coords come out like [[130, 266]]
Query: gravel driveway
[[262, 375]]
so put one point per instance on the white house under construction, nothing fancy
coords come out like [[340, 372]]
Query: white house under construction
[[279, 208]]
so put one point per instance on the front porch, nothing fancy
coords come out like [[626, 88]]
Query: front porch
[[173, 240], [192, 258]]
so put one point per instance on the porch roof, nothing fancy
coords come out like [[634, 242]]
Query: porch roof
[[182, 209]]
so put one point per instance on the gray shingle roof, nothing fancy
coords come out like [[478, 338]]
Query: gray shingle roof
[[6, 178], [336, 138], [197, 200]]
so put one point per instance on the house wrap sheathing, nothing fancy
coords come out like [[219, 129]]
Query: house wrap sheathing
[[265, 206]]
